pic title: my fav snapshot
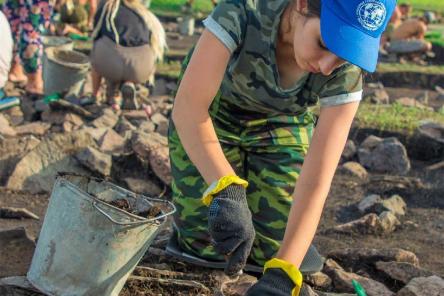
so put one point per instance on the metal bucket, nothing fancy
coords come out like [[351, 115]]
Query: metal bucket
[[87, 246], [63, 43], [186, 25], [64, 71]]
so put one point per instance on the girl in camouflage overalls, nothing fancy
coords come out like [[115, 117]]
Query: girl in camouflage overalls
[[241, 129]]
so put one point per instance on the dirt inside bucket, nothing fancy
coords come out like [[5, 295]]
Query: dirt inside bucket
[[123, 204], [115, 196]]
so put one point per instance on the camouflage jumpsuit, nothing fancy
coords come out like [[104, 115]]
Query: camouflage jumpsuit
[[264, 130]]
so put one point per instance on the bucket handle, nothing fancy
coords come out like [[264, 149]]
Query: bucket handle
[[170, 204]]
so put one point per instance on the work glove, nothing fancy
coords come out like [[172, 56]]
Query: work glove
[[280, 278], [231, 226]]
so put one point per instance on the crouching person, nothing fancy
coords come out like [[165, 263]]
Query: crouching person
[[128, 40]]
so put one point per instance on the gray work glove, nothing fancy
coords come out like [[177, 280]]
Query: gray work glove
[[231, 227], [274, 282]]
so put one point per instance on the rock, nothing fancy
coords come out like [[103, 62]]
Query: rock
[[354, 169], [388, 221], [349, 150], [37, 170], [16, 116], [350, 256], [377, 96], [144, 143], [375, 204], [334, 294], [68, 107], [146, 186], [5, 129], [368, 224], [331, 264], [401, 271], [306, 290], [370, 142], [239, 287], [17, 213], [421, 286], [108, 119], [36, 128], [41, 106], [16, 250], [395, 204], [435, 166], [389, 156], [147, 127], [123, 126], [12, 150], [318, 279], [342, 281], [410, 102], [112, 142], [368, 203], [161, 123], [428, 141], [96, 133], [160, 164], [95, 160], [136, 117]]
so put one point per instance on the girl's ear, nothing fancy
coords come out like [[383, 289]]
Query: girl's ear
[[302, 6]]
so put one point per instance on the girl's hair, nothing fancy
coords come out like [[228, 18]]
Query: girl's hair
[[109, 12]]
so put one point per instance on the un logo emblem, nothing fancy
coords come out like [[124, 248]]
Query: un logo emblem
[[371, 14]]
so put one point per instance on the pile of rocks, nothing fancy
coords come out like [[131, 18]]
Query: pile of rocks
[[97, 141]]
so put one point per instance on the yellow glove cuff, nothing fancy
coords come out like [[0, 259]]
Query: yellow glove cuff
[[292, 271], [220, 185]]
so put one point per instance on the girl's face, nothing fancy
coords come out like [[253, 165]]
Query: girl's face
[[309, 50]]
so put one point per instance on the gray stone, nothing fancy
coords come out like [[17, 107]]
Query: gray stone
[[13, 150], [112, 142], [36, 128], [389, 156], [37, 170], [123, 126], [160, 164], [16, 250], [388, 221], [370, 142], [368, 224], [394, 204], [306, 290], [318, 279], [108, 119], [96, 133], [95, 160], [354, 169], [349, 256], [146, 186], [349, 150], [144, 143], [147, 127], [342, 282], [421, 286], [377, 96], [401, 271], [5, 129], [368, 203]]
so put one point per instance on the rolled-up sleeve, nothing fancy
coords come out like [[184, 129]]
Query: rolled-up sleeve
[[228, 23]]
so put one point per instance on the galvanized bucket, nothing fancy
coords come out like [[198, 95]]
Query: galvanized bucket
[[60, 42], [87, 246], [64, 71]]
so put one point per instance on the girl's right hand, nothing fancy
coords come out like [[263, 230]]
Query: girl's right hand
[[231, 227]]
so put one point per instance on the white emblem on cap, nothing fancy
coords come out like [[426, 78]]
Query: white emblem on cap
[[371, 14]]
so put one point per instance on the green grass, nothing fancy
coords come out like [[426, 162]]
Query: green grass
[[397, 67], [173, 7], [171, 69], [437, 5], [394, 117]]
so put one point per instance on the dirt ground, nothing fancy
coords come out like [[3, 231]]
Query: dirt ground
[[422, 229]]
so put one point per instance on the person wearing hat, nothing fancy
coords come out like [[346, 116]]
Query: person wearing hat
[[251, 173]]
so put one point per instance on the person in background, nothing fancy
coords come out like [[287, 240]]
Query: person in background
[[26, 18], [406, 10], [409, 37], [5, 51], [76, 16], [394, 22], [128, 41]]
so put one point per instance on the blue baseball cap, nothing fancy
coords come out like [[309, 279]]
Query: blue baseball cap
[[352, 29]]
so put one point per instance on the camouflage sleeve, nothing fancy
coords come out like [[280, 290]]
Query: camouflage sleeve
[[228, 22], [343, 86]]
